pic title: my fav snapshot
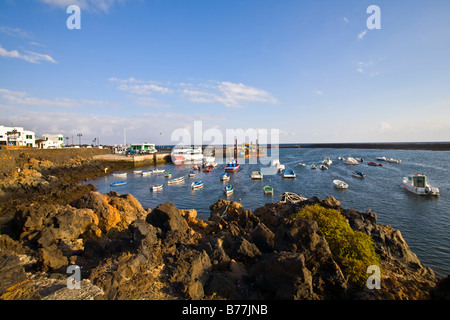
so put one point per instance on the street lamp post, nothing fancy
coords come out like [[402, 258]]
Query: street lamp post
[[79, 137]]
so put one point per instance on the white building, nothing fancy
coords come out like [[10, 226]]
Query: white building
[[17, 136], [50, 141]]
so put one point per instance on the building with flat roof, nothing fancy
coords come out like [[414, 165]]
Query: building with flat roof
[[17, 136]]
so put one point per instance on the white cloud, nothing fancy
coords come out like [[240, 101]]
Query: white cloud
[[30, 56], [345, 20], [385, 127], [318, 92], [16, 32], [139, 87], [362, 34], [360, 70]]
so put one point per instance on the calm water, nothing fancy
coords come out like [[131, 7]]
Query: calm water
[[423, 221]]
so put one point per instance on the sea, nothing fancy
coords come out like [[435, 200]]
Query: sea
[[423, 221]]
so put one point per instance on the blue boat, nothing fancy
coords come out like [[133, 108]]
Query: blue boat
[[118, 183], [228, 189], [225, 176], [358, 174], [233, 165], [197, 184], [288, 173]]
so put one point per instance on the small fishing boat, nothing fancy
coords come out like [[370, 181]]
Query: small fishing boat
[[119, 174], [156, 171], [228, 189], [207, 169], [118, 183], [137, 171], [358, 174], [418, 184], [257, 175], [351, 161], [339, 184], [392, 160], [191, 174], [327, 161], [146, 173], [196, 167], [225, 176], [156, 187], [232, 165], [323, 167], [268, 190], [167, 174], [176, 180], [359, 159], [381, 158], [197, 184], [302, 164], [374, 164], [314, 166], [288, 173]]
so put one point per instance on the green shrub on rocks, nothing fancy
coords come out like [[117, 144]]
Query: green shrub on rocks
[[354, 251]]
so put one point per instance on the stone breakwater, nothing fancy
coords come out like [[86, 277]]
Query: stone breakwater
[[126, 251]]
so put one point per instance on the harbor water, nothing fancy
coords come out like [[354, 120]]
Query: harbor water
[[423, 221]]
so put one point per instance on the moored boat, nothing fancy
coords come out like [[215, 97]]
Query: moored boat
[[393, 160], [146, 173], [314, 166], [374, 164], [167, 174], [323, 167], [339, 184], [327, 161], [381, 158], [124, 174], [232, 165], [225, 176], [191, 174], [228, 189], [156, 187], [418, 184], [358, 174], [137, 171], [207, 169], [176, 180], [118, 183], [268, 190], [197, 184], [288, 173], [257, 175], [156, 171], [351, 161]]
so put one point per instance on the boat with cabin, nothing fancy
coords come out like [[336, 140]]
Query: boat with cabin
[[232, 165], [182, 154], [418, 184], [287, 173]]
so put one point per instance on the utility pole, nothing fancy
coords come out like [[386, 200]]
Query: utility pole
[[79, 136]]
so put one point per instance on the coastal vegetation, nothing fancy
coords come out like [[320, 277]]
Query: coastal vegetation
[[354, 251]]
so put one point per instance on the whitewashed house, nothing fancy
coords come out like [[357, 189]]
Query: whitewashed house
[[17, 136], [50, 141]]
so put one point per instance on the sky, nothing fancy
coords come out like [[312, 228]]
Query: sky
[[162, 71]]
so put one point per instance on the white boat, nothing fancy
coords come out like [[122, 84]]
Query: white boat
[[381, 158], [146, 173], [418, 184], [358, 174], [118, 183], [288, 173], [323, 167], [137, 171], [228, 189], [257, 175], [197, 184], [156, 187], [182, 154], [156, 171], [351, 161], [120, 174], [176, 180], [392, 160], [276, 163], [225, 176], [340, 184], [327, 161]]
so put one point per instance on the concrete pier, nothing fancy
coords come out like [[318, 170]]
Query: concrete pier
[[139, 159]]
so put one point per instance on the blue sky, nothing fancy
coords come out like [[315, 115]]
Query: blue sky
[[311, 69]]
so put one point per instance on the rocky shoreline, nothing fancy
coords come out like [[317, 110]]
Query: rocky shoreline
[[50, 221]]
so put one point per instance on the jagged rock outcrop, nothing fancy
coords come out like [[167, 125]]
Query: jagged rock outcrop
[[128, 252]]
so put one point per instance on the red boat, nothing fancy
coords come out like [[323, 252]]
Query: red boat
[[207, 169], [232, 166], [374, 164]]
